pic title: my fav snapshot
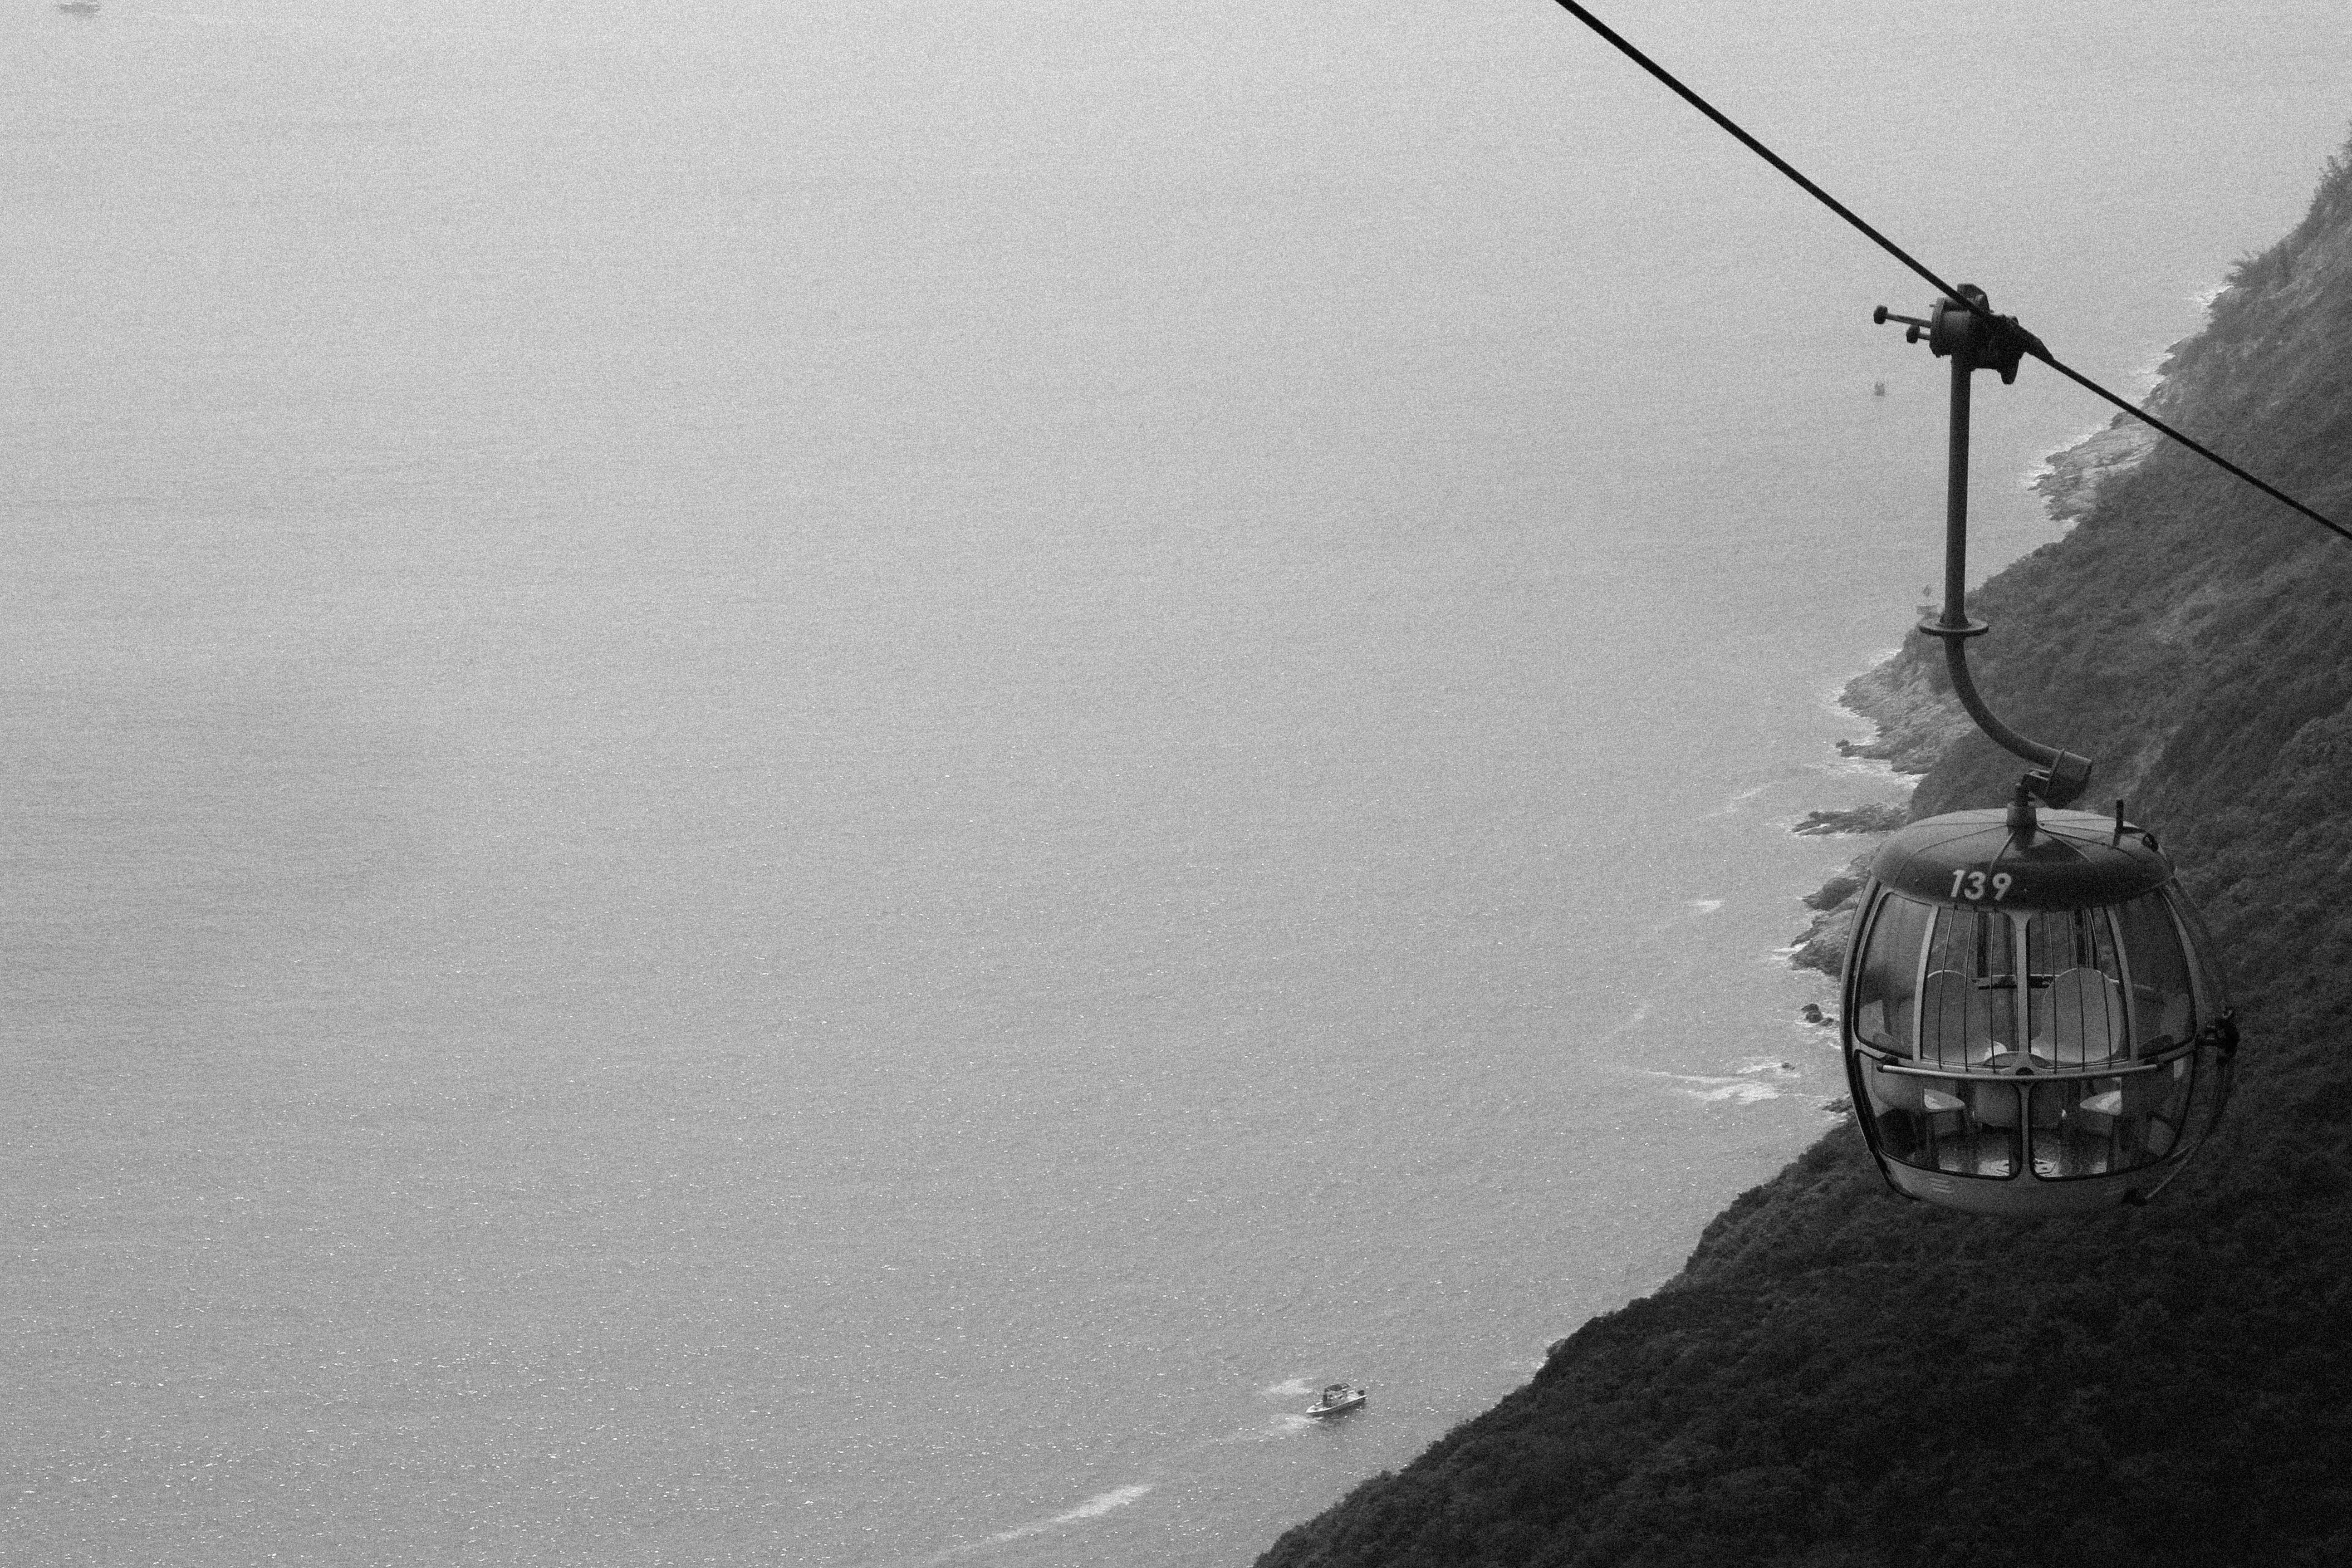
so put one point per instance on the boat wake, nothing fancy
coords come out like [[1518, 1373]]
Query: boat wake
[[1272, 1430], [1738, 803], [1686, 911], [1101, 1503], [1093, 1507], [1287, 1423]]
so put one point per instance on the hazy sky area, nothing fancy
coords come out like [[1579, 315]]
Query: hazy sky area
[[819, 783]]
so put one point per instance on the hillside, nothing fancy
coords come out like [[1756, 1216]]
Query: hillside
[[1840, 1378]]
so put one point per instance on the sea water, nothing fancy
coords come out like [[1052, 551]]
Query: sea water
[[822, 785]]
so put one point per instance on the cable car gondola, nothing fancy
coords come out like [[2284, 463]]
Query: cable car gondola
[[2031, 1024], [2033, 1021], [2058, 989]]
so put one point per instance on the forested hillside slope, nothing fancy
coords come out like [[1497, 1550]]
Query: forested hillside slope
[[1842, 1378]]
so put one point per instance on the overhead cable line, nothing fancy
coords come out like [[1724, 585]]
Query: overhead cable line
[[2076, 377], [1974, 306]]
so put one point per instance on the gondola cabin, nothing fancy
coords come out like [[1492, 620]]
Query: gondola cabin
[[2031, 1022]]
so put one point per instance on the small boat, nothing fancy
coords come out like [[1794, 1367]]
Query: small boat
[[79, 7], [1337, 1399]]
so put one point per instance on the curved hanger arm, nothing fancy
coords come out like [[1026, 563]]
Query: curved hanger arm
[[2063, 775]]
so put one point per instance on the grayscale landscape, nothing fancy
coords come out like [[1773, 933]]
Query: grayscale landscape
[[825, 784]]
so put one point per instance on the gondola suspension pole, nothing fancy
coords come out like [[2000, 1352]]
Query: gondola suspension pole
[[1956, 501], [1974, 339]]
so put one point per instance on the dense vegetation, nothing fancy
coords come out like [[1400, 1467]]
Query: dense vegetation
[[1842, 1378]]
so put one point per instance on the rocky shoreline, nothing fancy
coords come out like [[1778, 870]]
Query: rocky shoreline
[[1909, 698], [1885, 818], [2071, 482], [1917, 718]]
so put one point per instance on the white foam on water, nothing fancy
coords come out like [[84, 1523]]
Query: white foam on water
[[1720, 1090], [1732, 807], [1289, 1388], [1093, 1507], [1274, 1430], [1691, 909], [1876, 769], [1103, 1502]]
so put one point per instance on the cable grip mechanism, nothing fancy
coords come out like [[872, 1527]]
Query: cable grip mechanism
[[1964, 329]]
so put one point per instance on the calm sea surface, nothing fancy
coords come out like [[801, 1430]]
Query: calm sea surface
[[820, 783]]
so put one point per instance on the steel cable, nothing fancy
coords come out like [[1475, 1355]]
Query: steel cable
[[1974, 307]]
